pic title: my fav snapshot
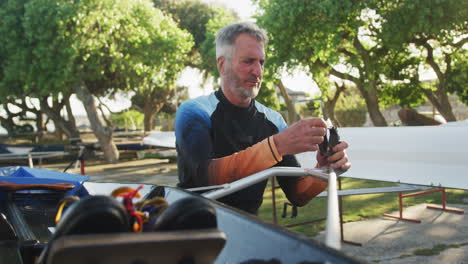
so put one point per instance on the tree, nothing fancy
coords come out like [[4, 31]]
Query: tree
[[96, 47], [321, 36], [7, 121], [202, 20], [17, 67], [436, 30], [128, 118]]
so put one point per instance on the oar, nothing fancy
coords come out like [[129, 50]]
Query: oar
[[332, 233]]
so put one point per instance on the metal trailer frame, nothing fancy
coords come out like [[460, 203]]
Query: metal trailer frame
[[400, 189]]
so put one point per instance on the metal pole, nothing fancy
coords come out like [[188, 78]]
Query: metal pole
[[273, 199], [332, 233], [263, 175], [31, 164]]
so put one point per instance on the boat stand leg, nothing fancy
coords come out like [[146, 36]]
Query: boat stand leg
[[340, 206], [400, 207], [444, 205]]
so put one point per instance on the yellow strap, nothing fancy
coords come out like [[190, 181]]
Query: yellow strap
[[59, 212]]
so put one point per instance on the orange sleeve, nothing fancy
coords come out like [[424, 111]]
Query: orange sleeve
[[305, 189], [258, 157]]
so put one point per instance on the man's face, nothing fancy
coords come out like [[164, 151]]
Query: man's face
[[243, 73]]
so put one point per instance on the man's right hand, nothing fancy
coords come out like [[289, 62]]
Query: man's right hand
[[302, 136]]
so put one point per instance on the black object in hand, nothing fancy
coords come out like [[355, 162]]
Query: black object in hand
[[326, 147]]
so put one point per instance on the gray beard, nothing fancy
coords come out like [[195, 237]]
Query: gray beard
[[246, 93], [240, 91]]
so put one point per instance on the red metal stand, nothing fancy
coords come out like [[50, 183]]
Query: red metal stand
[[340, 202], [443, 208], [82, 167], [444, 205]]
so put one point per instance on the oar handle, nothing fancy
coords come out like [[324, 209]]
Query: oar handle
[[11, 186]]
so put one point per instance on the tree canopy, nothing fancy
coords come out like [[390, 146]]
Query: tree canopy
[[90, 47], [202, 20], [436, 31], [379, 46], [320, 36]]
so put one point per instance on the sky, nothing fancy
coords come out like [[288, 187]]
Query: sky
[[244, 8]]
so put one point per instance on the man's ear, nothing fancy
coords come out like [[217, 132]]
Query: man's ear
[[221, 62]]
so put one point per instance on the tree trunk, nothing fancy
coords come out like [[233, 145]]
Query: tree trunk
[[442, 104], [71, 117], [368, 72], [60, 123], [151, 109], [330, 104], [41, 129], [370, 97], [439, 99], [102, 133], [291, 110], [58, 130], [153, 103], [372, 104], [40, 123], [445, 109]]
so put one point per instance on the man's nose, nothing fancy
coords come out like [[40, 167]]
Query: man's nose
[[257, 69]]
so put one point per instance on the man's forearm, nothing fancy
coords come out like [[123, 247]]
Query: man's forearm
[[305, 189], [258, 157]]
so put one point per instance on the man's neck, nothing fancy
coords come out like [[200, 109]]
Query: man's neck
[[236, 100]]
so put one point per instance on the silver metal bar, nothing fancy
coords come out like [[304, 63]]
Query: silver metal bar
[[332, 235], [207, 188], [33, 155], [400, 188], [263, 175], [31, 164], [332, 232]]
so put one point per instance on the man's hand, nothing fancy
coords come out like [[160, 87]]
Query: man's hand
[[339, 160], [302, 136]]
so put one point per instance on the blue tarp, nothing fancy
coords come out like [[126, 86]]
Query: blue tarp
[[26, 175]]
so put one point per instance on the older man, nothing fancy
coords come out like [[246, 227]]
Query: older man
[[227, 135]]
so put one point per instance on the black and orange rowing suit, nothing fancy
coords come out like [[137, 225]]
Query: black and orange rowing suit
[[218, 142]]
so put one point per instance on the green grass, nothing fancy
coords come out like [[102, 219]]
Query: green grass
[[355, 208], [435, 250]]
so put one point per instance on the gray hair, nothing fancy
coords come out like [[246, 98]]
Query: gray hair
[[226, 37]]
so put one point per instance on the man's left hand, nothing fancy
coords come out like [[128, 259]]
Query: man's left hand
[[339, 160]]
